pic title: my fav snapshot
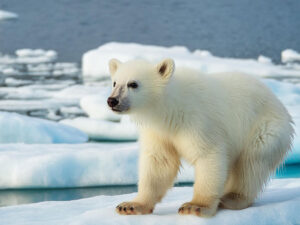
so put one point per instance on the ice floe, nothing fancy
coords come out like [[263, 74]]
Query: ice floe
[[278, 204], [4, 15], [17, 128], [94, 62], [290, 55], [36, 62]]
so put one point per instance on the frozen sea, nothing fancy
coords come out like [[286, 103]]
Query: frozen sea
[[229, 28]]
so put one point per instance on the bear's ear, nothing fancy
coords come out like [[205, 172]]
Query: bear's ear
[[166, 68], [113, 66]]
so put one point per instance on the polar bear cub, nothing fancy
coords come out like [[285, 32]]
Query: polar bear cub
[[229, 126]]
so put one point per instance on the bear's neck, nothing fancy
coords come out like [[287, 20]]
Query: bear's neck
[[164, 113]]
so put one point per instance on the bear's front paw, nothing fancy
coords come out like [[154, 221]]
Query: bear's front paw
[[191, 208], [133, 208]]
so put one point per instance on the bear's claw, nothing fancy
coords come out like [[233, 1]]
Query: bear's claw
[[194, 209], [133, 208]]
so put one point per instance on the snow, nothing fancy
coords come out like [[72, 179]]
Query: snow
[[23, 129], [290, 55], [95, 62], [102, 130], [278, 204], [7, 15]]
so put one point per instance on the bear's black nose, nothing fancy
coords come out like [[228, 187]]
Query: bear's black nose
[[112, 102]]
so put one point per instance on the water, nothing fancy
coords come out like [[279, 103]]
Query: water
[[25, 196], [231, 28]]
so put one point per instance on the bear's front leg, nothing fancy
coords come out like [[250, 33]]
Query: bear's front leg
[[158, 166], [210, 177]]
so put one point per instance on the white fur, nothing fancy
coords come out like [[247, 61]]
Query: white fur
[[230, 126]]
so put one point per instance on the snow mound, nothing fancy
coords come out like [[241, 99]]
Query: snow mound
[[72, 165], [95, 62], [102, 130], [23, 129], [278, 204], [290, 55], [7, 15]]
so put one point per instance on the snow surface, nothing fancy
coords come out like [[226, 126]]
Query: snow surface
[[17, 128], [278, 204], [7, 15], [95, 62]]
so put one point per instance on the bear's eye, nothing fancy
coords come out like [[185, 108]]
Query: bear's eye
[[132, 85], [114, 84]]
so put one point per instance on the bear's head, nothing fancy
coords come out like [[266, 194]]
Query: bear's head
[[137, 84]]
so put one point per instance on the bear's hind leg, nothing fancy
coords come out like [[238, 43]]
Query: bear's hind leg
[[266, 149], [234, 201]]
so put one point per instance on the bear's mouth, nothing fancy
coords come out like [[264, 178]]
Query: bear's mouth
[[115, 109], [119, 109]]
